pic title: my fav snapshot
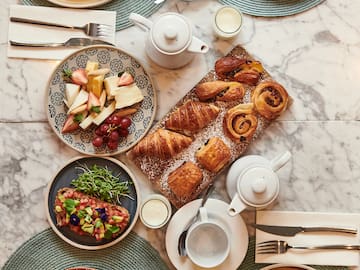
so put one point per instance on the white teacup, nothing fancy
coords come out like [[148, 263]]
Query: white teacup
[[207, 242]]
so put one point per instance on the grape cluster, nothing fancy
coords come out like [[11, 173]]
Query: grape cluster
[[109, 132]]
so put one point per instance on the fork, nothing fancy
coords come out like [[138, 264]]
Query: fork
[[279, 247], [90, 29]]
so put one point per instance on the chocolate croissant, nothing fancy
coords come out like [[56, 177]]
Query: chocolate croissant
[[191, 117], [240, 122], [223, 91], [163, 144], [270, 99]]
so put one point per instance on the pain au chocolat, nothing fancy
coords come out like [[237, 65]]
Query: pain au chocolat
[[223, 91], [270, 99], [162, 143], [191, 117], [184, 180], [213, 155], [240, 122]]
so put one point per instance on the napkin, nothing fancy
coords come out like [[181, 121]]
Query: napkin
[[318, 257], [24, 32]]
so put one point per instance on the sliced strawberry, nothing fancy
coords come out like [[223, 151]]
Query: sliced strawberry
[[71, 124], [77, 76], [93, 104], [125, 79]]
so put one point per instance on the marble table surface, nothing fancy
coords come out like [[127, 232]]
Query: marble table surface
[[315, 55]]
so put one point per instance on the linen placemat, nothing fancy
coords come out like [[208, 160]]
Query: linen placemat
[[46, 251], [123, 9], [272, 8]]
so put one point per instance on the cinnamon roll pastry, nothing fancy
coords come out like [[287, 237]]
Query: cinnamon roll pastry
[[191, 117], [240, 122], [270, 99], [214, 155], [184, 180], [238, 69], [223, 91], [163, 144]]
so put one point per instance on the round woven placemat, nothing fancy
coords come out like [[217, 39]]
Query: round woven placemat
[[272, 8], [46, 251], [122, 7]]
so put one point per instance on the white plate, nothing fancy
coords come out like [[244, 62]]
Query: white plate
[[79, 3], [217, 210], [296, 266]]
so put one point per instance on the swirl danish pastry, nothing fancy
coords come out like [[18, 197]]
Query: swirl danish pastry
[[240, 122], [270, 99]]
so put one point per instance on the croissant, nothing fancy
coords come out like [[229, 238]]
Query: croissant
[[240, 122], [270, 99], [224, 91], [191, 117], [162, 143]]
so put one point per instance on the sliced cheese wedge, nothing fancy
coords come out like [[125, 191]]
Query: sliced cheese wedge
[[111, 83], [71, 92], [127, 96], [80, 99], [105, 113], [88, 121]]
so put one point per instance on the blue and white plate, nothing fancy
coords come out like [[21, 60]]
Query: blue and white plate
[[117, 61]]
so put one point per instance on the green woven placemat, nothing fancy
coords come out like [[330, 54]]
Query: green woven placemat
[[122, 7], [46, 251], [248, 263], [272, 8]]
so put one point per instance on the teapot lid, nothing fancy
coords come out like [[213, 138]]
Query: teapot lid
[[258, 185], [171, 33]]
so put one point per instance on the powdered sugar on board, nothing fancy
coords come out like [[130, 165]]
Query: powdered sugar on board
[[157, 170]]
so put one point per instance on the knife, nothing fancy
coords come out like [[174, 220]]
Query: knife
[[72, 42], [293, 230]]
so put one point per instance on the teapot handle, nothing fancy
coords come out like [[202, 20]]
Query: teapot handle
[[236, 206], [197, 46], [280, 161], [140, 21]]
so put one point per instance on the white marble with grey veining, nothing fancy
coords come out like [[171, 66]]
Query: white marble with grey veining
[[315, 55]]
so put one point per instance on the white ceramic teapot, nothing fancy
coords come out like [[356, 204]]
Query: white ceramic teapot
[[170, 42], [252, 182]]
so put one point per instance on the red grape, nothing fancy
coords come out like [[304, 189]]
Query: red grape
[[112, 145], [105, 139], [109, 119], [116, 120], [125, 122], [98, 131], [97, 141], [104, 128], [114, 135], [123, 132]]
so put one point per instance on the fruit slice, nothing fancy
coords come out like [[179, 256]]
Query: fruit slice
[[88, 121], [95, 84], [90, 66], [71, 92], [79, 109], [93, 103], [77, 76], [125, 79], [80, 99], [105, 113], [70, 124], [102, 100], [101, 71], [127, 96]]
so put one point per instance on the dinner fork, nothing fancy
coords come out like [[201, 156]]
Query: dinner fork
[[279, 247], [90, 29]]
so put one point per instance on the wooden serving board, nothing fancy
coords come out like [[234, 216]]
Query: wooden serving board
[[157, 170]]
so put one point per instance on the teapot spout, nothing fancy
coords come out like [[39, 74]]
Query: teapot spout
[[198, 46], [280, 161]]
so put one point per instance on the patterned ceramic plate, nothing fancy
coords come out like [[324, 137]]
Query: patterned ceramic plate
[[117, 61], [79, 3]]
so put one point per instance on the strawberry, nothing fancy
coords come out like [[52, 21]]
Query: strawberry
[[77, 76], [93, 103], [71, 124], [125, 79]]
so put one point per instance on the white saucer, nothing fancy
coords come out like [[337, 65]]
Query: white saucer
[[79, 3], [217, 210]]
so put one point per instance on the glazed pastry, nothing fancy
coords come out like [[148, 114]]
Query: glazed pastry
[[162, 143], [185, 179], [191, 117], [214, 155], [270, 99], [238, 69], [240, 123], [224, 91]]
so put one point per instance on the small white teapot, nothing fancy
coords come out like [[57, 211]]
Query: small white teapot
[[170, 42], [252, 182]]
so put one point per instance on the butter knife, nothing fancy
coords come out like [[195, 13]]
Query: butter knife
[[72, 42], [293, 230]]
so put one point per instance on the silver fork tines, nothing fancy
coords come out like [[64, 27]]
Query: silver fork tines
[[90, 29], [279, 247]]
